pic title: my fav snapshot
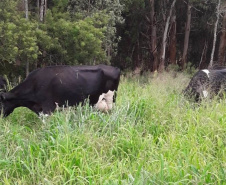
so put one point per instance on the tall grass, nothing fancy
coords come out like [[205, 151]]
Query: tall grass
[[152, 136]]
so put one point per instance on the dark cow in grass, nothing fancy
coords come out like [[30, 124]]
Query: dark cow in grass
[[2, 83], [48, 87], [207, 83]]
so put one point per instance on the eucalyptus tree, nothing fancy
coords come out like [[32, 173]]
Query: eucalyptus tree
[[215, 32], [186, 35], [105, 14], [8, 27], [222, 45], [164, 37], [153, 35], [18, 38]]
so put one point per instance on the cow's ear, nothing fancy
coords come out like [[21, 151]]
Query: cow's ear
[[7, 96], [2, 97]]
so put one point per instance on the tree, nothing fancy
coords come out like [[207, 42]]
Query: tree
[[26, 16], [42, 7], [215, 33], [203, 56], [164, 38], [72, 42], [186, 36], [8, 46], [18, 35], [154, 50], [172, 40], [222, 46], [110, 10], [90, 32]]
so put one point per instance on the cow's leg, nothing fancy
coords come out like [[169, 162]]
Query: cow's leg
[[114, 97], [48, 107], [36, 108], [43, 117]]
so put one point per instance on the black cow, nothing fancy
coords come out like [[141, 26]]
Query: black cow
[[61, 85], [207, 83], [2, 84]]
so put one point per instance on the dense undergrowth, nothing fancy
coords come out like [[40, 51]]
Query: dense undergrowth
[[152, 136]]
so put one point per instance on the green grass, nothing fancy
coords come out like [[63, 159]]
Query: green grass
[[153, 136]]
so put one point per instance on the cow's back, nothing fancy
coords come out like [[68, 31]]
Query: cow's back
[[66, 83], [75, 85]]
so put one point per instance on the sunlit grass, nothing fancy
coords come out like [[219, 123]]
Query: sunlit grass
[[152, 136]]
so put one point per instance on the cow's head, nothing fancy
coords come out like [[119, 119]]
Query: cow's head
[[192, 93], [197, 90], [7, 103], [198, 86]]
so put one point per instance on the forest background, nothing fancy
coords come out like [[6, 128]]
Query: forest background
[[134, 35], [154, 135]]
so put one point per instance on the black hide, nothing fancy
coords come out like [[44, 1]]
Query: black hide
[[204, 85], [61, 85]]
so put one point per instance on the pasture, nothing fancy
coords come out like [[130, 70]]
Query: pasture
[[152, 136]]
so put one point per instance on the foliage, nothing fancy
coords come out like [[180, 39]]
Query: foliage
[[18, 41], [152, 136], [61, 39], [135, 46], [76, 42], [110, 10], [130, 32], [90, 32]]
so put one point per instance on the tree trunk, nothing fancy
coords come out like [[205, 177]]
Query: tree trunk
[[26, 9], [154, 50], [202, 63], [186, 37], [26, 15], [173, 41], [215, 34], [136, 55], [41, 15], [221, 52], [45, 8], [38, 8], [163, 50], [27, 68]]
